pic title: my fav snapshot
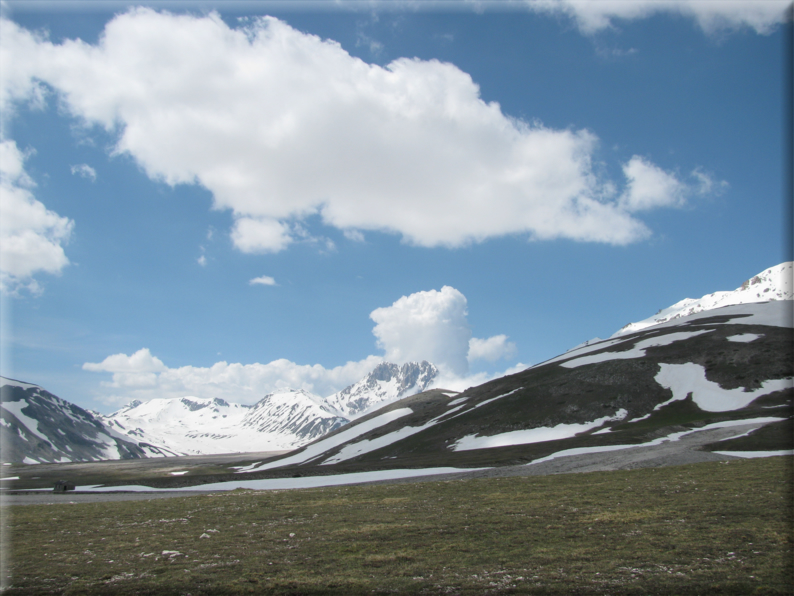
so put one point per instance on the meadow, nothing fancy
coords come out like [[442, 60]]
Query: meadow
[[709, 528]]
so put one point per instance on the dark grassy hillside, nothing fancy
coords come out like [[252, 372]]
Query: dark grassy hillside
[[714, 528], [63, 431], [551, 394]]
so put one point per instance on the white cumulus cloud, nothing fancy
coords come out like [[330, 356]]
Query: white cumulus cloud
[[31, 236], [280, 125], [433, 326], [711, 15], [130, 372], [143, 376], [490, 349], [264, 280], [429, 326], [650, 187]]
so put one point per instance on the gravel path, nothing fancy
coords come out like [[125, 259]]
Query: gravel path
[[671, 453]]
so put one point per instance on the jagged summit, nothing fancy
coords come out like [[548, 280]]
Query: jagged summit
[[292, 412], [386, 383], [771, 284]]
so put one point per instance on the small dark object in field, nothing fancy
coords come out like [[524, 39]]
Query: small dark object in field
[[62, 486]]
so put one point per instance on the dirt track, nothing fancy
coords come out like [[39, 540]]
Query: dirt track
[[671, 453]]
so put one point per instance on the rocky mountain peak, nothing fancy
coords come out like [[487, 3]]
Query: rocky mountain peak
[[386, 383]]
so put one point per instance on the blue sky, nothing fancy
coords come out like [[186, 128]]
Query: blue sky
[[481, 188]]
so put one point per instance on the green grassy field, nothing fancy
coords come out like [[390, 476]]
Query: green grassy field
[[713, 528]]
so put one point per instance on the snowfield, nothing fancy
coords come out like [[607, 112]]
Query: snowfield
[[671, 437], [744, 338], [533, 435], [638, 351], [684, 379], [291, 483]]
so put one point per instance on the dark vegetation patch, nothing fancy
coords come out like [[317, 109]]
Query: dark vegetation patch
[[713, 528]]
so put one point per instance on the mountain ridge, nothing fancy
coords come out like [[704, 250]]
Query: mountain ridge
[[290, 419], [774, 283], [285, 419]]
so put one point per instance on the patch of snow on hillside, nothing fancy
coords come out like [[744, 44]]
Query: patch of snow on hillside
[[292, 483], [648, 415], [367, 445], [532, 435], [753, 454], [487, 401], [671, 437], [638, 351], [744, 338], [15, 407], [348, 434], [683, 379], [111, 448], [5, 381]]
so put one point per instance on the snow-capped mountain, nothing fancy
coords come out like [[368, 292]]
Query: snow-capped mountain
[[774, 283], [38, 427], [297, 414], [386, 383], [282, 420]]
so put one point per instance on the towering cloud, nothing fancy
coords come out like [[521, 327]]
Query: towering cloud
[[426, 326]]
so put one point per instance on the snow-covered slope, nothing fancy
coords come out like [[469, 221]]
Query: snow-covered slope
[[386, 383], [297, 414], [774, 283], [191, 425], [37, 426]]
